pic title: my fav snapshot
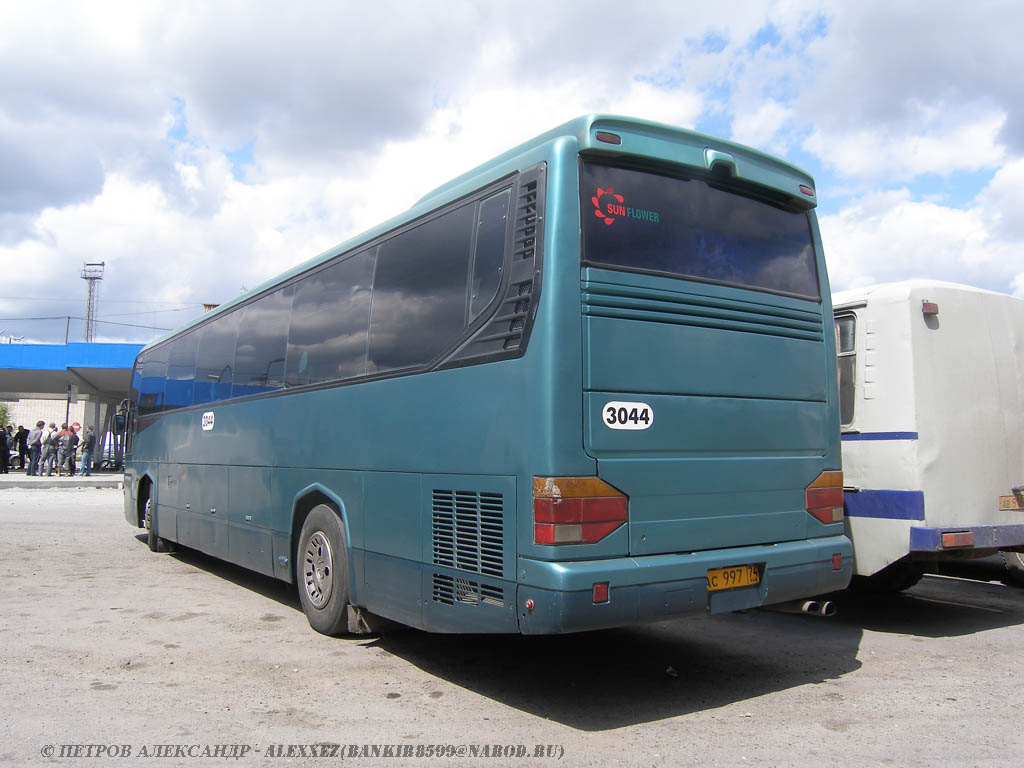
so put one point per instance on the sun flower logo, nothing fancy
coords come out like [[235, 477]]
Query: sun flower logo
[[612, 210]]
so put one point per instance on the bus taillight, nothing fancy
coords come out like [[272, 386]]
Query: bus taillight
[[824, 497], [576, 510]]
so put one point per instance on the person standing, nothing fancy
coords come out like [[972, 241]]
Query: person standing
[[5, 451], [50, 440], [88, 446], [35, 447], [21, 442], [63, 449]]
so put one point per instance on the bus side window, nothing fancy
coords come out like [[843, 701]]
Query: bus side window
[[154, 375], [846, 326], [216, 359], [262, 342], [181, 371], [329, 320], [489, 254], [419, 292]]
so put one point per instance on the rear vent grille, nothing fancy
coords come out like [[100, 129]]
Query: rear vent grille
[[454, 590], [507, 330], [467, 531], [624, 302]]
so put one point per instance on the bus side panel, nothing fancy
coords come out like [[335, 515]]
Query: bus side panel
[[249, 518]]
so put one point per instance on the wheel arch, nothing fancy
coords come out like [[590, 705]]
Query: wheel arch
[[144, 490], [302, 504]]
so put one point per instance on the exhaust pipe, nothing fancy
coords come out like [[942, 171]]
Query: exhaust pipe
[[809, 607]]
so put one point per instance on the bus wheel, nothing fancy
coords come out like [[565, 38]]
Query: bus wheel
[[151, 538], [1014, 562], [156, 544], [321, 570]]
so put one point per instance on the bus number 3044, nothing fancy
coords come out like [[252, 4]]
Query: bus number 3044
[[619, 415]]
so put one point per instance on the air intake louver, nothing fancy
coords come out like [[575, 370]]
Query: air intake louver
[[507, 329], [467, 531], [467, 535]]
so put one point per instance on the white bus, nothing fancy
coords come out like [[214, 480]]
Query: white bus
[[931, 379]]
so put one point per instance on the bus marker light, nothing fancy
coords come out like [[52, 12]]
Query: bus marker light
[[837, 562], [958, 539], [608, 138], [529, 606], [929, 308], [807, 190], [601, 592]]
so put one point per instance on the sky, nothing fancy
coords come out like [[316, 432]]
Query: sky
[[200, 148]]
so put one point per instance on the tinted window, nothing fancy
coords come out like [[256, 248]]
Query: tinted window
[[846, 326], [419, 292], [181, 370], [151, 388], [489, 255], [261, 346], [689, 228], [216, 359], [330, 314]]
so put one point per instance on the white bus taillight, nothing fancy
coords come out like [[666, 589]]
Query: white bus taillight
[[824, 497], [576, 510]]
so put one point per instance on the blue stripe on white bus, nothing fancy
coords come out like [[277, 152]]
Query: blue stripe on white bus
[[853, 436], [890, 505]]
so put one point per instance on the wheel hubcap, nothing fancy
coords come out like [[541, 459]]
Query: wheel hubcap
[[318, 569]]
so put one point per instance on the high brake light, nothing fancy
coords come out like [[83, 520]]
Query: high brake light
[[576, 510], [824, 497]]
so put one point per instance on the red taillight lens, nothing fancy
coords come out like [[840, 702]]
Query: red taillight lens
[[824, 497], [575, 510]]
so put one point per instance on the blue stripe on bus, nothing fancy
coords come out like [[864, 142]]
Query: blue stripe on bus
[[890, 505], [985, 537], [880, 436]]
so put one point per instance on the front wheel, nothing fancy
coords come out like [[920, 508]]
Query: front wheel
[[321, 571]]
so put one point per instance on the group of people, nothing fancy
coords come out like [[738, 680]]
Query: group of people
[[49, 450]]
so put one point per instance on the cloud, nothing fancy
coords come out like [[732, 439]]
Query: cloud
[[888, 235]]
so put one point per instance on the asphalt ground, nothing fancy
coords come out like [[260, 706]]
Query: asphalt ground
[[113, 655]]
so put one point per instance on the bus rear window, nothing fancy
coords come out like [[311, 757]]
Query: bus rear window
[[689, 228]]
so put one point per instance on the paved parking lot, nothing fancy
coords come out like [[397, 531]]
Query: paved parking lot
[[107, 649]]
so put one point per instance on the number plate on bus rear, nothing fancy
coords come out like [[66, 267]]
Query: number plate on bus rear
[[1010, 502], [733, 577]]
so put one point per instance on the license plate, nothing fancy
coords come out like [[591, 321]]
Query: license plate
[[731, 578], [1010, 502]]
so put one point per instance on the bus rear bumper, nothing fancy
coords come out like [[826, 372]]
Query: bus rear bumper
[[558, 597], [972, 537]]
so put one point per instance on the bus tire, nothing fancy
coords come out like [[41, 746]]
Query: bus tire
[[147, 516], [321, 571], [1014, 562], [155, 543]]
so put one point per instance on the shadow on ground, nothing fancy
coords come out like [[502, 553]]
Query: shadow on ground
[[274, 589], [610, 679], [936, 607]]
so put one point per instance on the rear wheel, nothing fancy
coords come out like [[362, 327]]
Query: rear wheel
[[321, 571], [1014, 562]]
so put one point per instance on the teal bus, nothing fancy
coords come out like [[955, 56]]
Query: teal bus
[[588, 384]]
